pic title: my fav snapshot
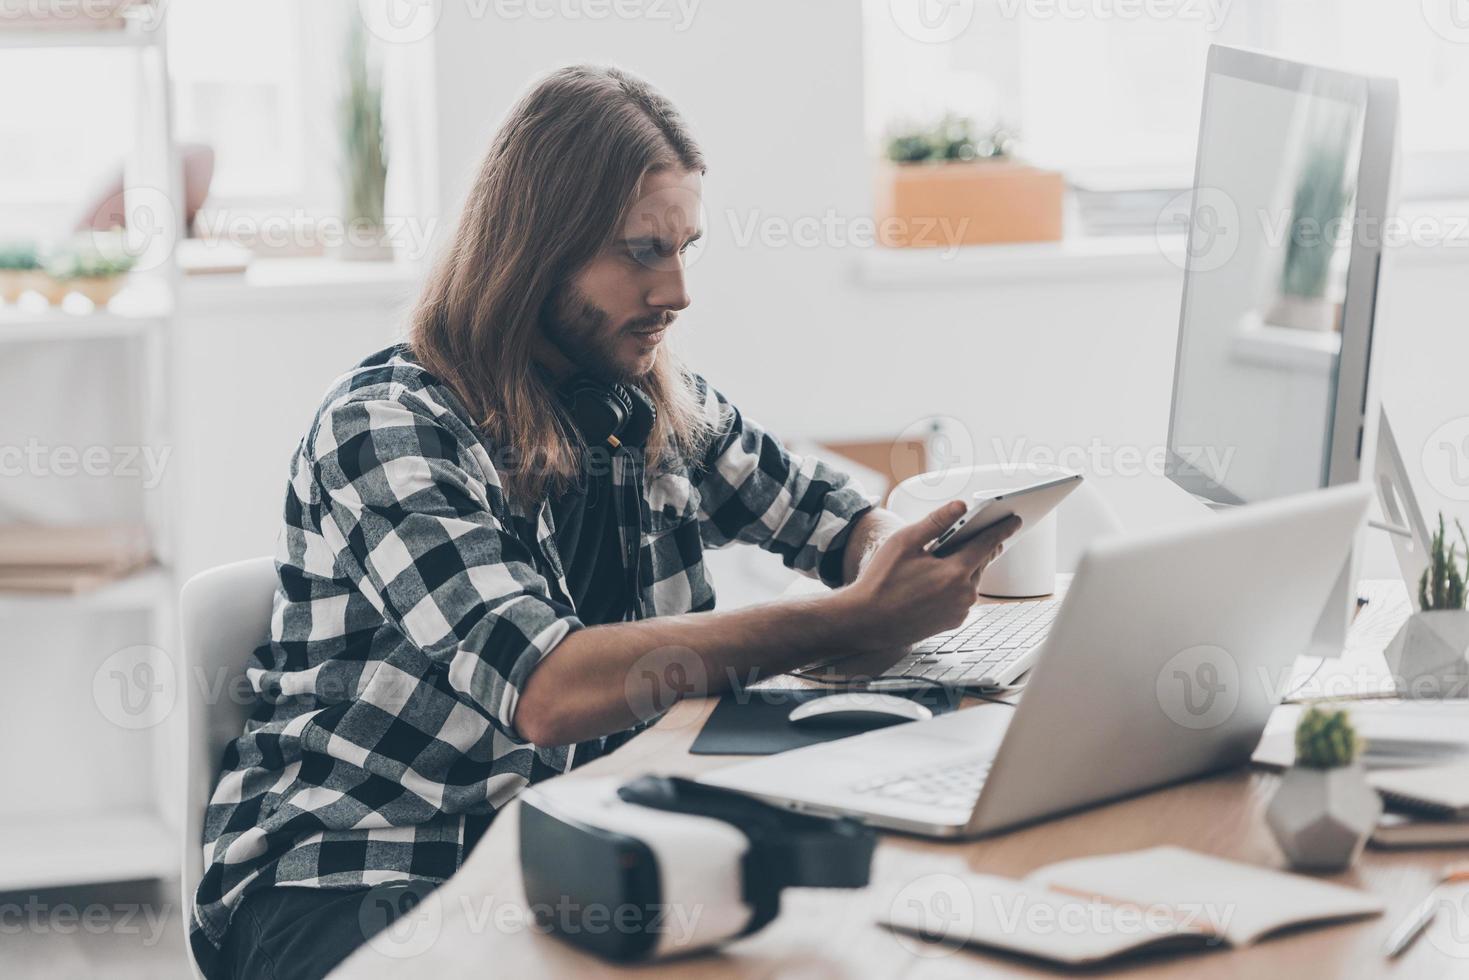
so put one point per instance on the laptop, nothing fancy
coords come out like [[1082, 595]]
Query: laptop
[[1164, 662]]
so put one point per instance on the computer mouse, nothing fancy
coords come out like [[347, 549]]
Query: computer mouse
[[857, 709]]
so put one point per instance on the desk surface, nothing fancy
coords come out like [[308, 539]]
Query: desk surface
[[476, 924]]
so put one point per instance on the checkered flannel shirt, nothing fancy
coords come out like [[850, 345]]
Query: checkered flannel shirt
[[415, 599]]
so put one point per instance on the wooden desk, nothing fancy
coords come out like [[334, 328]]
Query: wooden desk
[[476, 924]]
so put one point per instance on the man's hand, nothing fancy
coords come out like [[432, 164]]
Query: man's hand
[[904, 594]]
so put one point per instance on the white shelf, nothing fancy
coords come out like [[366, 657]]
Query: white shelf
[[48, 37], [20, 326], [140, 592], [55, 851]]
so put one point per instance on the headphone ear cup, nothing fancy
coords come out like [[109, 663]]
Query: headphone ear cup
[[641, 416], [596, 409]]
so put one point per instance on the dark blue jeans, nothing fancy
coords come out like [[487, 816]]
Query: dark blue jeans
[[303, 933]]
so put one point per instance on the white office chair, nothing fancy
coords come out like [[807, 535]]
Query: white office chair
[[225, 614]]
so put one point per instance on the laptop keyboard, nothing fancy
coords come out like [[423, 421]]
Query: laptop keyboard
[[993, 647], [953, 785]]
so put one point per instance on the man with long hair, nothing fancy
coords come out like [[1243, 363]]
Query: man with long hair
[[492, 562]]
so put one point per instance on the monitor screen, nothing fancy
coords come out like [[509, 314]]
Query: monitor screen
[[1269, 247]]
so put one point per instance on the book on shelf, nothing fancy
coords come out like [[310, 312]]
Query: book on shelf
[[69, 558]]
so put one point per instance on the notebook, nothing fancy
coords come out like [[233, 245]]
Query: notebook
[[1090, 910], [1401, 830], [1439, 791]]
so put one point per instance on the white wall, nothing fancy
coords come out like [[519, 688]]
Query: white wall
[[800, 336], [795, 335]]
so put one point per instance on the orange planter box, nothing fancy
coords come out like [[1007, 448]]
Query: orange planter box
[[927, 205]]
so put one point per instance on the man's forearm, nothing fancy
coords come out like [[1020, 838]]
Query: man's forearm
[[871, 530], [605, 679]]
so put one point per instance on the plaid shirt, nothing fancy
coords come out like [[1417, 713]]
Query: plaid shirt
[[415, 600]]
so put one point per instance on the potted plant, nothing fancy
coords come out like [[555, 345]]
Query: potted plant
[[1323, 810], [1321, 197], [20, 265], [96, 273], [954, 183], [1429, 656], [364, 153]]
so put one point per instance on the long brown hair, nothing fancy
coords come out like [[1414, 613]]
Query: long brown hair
[[550, 194]]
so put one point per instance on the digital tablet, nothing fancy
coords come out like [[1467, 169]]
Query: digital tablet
[[988, 507]]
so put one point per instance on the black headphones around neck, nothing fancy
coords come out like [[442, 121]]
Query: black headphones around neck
[[603, 412]]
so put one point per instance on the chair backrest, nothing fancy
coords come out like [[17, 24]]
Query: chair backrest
[[225, 615]]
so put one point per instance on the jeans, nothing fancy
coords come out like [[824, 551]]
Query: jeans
[[288, 933]]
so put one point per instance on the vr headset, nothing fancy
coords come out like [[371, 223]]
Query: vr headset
[[660, 867]]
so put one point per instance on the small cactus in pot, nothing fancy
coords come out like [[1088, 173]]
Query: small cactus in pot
[[1323, 811], [1326, 740], [1429, 656]]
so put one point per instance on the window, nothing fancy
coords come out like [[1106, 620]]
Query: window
[[64, 138], [257, 81], [1110, 90]]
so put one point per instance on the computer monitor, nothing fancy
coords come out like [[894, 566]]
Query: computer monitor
[[1272, 389]]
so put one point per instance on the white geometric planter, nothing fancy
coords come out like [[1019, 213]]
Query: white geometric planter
[[1321, 818], [1429, 656]]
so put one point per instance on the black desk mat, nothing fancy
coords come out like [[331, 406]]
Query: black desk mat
[[755, 722]]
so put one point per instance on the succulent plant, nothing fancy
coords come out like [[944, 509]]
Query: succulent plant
[[951, 138], [1326, 739], [19, 256], [89, 263], [1442, 584]]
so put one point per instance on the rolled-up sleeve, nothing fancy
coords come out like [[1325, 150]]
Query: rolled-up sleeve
[[754, 491], [408, 512]]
